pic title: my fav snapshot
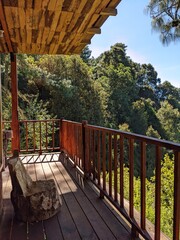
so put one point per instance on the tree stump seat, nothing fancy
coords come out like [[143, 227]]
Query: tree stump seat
[[32, 200]]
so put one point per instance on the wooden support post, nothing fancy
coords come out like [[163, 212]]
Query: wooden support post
[[1, 126], [1, 145], [14, 92], [61, 135], [84, 150]]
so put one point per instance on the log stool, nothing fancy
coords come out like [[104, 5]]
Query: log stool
[[32, 200]]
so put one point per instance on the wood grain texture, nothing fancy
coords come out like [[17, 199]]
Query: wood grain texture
[[83, 215], [52, 26]]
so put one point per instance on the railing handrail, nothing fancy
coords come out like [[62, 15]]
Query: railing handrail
[[149, 140], [39, 120], [72, 122]]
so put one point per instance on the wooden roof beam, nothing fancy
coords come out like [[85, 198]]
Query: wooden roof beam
[[109, 12], [94, 30], [85, 41], [5, 29]]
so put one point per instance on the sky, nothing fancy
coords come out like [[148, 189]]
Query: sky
[[132, 26]]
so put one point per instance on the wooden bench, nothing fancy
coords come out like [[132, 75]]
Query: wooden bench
[[32, 200]]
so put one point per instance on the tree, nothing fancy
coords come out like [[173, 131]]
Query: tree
[[86, 54], [139, 117], [122, 93], [165, 16], [166, 91], [170, 121], [148, 82]]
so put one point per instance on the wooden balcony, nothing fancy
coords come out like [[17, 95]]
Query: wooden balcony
[[90, 154], [83, 214]]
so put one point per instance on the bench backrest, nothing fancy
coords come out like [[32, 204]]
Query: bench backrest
[[19, 176]]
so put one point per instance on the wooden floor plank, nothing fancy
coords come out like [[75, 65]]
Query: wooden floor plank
[[6, 184], [65, 219], [51, 226], [8, 211], [83, 215], [94, 218], [36, 229], [52, 229], [6, 220], [19, 230], [85, 229], [112, 222]]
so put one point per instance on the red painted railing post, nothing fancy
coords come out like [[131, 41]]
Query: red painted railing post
[[61, 134], [84, 150], [14, 92], [176, 224]]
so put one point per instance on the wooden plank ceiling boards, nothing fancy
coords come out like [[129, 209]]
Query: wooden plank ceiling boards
[[52, 26]]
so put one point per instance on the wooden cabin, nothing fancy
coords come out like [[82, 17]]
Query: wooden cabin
[[92, 208]]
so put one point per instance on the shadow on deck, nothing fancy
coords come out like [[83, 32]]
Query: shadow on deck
[[83, 214]]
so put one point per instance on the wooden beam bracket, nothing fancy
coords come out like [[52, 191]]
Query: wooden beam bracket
[[94, 30], [109, 12]]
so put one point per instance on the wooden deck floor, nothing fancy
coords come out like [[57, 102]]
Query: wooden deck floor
[[83, 214]]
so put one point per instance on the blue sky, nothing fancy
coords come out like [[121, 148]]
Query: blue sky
[[133, 28]]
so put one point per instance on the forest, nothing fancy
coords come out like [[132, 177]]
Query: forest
[[111, 91]]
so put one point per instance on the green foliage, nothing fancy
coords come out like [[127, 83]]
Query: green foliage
[[86, 54], [167, 177], [169, 118], [6, 106], [165, 19], [139, 118]]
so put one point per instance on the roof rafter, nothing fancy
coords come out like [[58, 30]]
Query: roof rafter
[[5, 29]]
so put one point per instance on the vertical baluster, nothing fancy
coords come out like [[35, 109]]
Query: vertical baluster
[[88, 159], [75, 144], [40, 137], [53, 134], [68, 139], [65, 136], [84, 123], [26, 136], [158, 194], [110, 164], [78, 144], [71, 139], [176, 223], [131, 176], [121, 171], [46, 135], [104, 159], [80, 149], [34, 136], [99, 159], [93, 154], [115, 167], [143, 185]]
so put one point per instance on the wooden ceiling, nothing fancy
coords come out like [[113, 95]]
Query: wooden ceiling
[[52, 26]]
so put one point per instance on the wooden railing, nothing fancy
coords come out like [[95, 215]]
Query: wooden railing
[[103, 152], [37, 135], [71, 141]]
